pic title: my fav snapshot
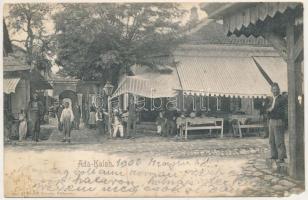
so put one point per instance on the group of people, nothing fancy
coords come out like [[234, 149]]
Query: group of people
[[97, 119], [124, 123], [28, 121], [166, 123]]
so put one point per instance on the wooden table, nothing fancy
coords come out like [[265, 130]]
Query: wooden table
[[199, 123]]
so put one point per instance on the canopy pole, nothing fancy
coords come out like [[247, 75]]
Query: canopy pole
[[295, 109]]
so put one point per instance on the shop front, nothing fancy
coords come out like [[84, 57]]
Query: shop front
[[231, 89]]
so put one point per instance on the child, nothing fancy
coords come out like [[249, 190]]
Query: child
[[66, 119], [22, 125]]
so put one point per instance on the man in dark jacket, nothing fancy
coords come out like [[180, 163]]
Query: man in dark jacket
[[276, 115], [36, 111], [77, 115], [59, 112]]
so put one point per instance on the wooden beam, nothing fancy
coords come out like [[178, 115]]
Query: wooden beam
[[299, 49], [295, 121], [291, 99], [278, 43]]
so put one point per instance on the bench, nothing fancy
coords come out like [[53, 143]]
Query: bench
[[237, 127], [188, 124]]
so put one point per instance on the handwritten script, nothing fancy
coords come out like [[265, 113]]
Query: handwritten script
[[125, 177]]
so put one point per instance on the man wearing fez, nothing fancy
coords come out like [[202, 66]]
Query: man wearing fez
[[276, 115], [36, 111]]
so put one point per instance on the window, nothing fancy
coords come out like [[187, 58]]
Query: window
[[204, 103]]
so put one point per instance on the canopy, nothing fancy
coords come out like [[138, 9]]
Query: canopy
[[150, 85], [10, 84], [221, 76], [239, 17], [276, 69]]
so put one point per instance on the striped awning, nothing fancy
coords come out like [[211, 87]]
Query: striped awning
[[150, 85], [10, 84], [221, 76], [276, 69]]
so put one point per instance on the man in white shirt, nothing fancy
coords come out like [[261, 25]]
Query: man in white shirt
[[117, 125], [66, 119]]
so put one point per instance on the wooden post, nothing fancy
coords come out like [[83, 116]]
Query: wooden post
[[109, 116], [295, 121], [186, 131]]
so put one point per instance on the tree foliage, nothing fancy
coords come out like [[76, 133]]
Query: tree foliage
[[100, 41], [28, 19]]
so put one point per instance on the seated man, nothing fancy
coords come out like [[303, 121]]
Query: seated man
[[171, 122], [161, 124]]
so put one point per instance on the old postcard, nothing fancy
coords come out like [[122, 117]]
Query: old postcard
[[173, 99]]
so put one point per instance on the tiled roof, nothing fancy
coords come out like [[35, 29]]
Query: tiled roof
[[11, 63]]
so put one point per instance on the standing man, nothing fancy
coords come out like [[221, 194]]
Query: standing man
[[92, 119], [67, 118], [132, 118], [100, 121], [276, 114], [117, 125], [59, 112], [36, 110], [77, 113]]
